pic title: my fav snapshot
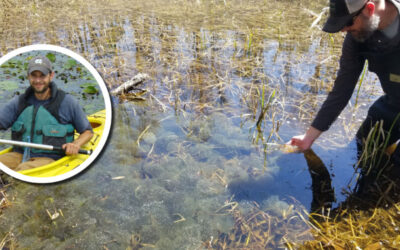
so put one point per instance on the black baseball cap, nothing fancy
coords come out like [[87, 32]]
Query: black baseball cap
[[341, 12], [40, 63]]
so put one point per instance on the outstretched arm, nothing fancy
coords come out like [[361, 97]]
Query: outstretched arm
[[72, 148], [351, 65], [305, 141]]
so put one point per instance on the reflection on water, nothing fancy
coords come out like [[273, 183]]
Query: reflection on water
[[180, 164]]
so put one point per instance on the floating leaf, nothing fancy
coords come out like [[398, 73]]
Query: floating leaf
[[51, 57], [88, 84], [90, 90], [69, 64], [9, 64]]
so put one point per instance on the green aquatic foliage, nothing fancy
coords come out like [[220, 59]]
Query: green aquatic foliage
[[364, 72], [184, 172], [13, 64], [51, 57], [265, 105], [69, 64], [89, 88]]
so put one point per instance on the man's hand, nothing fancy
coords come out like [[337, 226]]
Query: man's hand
[[304, 142], [301, 141], [71, 148]]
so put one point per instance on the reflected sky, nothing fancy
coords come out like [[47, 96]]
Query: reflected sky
[[192, 145]]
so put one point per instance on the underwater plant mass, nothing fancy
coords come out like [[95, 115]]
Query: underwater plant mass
[[195, 158]]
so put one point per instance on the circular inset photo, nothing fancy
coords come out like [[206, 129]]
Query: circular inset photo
[[55, 113]]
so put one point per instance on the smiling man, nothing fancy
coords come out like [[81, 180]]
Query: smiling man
[[373, 34], [44, 114]]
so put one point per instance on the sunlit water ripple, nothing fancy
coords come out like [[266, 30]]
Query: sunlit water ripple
[[173, 186]]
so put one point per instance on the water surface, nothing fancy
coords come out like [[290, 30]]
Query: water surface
[[180, 163]]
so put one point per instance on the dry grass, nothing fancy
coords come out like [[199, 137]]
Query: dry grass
[[368, 219], [9, 240], [263, 229], [344, 228], [361, 223], [212, 56]]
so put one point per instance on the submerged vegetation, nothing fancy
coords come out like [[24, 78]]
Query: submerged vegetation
[[194, 159]]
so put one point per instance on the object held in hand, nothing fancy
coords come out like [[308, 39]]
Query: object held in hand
[[284, 148]]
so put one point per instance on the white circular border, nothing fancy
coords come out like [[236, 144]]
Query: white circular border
[[107, 127]]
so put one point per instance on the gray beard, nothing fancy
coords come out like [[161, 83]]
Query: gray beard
[[369, 29]]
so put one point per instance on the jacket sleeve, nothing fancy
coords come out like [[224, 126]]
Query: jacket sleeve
[[351, 65], [71, 112], [8, 113]]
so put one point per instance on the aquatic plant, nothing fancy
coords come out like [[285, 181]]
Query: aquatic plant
[[271, 227], [181, 143], [360, 81], [374, 156]]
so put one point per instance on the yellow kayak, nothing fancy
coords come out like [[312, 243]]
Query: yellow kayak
[[67, 163]]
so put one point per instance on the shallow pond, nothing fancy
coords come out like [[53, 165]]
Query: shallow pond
[[187, 155]]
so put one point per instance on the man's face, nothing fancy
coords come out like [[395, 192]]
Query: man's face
[[363, 27], [39, 81]]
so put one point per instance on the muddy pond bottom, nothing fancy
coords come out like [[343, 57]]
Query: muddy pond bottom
[[158, 185]]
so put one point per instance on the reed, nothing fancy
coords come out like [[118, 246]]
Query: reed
[[375, 228], [246, 61], [365, 70]]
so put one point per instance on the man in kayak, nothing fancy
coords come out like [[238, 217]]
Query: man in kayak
[[44, 114], [373, 34]]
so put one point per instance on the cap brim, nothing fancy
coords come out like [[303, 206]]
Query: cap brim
[[44, 70], [336, 24]]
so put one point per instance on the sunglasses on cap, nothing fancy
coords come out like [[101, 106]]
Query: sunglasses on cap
[[351, 21]]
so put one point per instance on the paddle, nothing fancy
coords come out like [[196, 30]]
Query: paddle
[[40, 146]]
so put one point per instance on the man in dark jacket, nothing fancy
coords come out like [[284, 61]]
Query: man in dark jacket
[[373, 34], [44, 114]]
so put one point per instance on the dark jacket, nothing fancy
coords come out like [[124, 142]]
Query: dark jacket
[[383, 55]]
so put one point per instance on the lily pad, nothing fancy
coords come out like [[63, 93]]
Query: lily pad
[[51, 57], [8, 85], [89, 88], [69, 64], [9, 64], [88, 84]]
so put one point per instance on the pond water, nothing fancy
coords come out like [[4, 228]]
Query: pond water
[[181, 162]]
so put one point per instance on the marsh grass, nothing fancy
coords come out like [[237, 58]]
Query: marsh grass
[[9, 239], [373, 228], [265, 229], [374, 156], [9, 242], [364, 72], [374, 150], [218, 71], [345, 228]]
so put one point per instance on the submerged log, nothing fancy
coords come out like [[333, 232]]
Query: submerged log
[[128, 85]]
